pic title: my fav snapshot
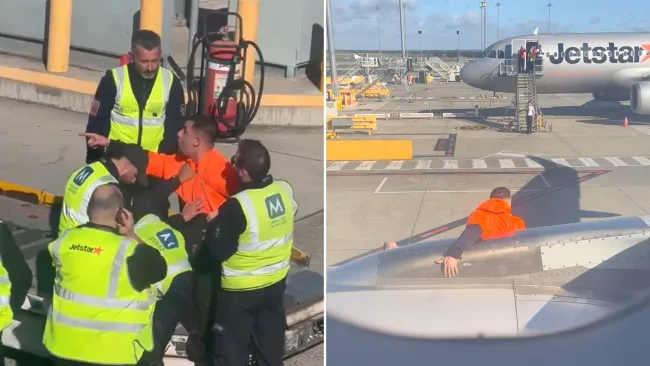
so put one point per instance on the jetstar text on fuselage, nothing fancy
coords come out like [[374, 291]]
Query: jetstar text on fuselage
[[600, 55]]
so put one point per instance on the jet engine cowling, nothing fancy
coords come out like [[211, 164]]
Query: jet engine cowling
[[640, 97]]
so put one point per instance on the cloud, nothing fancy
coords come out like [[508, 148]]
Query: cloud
[[356, 26], [594, 20]]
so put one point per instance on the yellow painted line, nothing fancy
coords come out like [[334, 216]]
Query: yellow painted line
[[369, 150], [88, 88], [44, 198]]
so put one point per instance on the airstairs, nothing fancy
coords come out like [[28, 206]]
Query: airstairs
[[526, 91], [440, 68]]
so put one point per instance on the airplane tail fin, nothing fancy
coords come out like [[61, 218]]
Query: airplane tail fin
[[535, 31]]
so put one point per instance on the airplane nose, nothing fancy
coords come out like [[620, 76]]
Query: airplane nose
[[468, 74]]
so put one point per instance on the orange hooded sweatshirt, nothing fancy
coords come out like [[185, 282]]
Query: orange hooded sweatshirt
[[495, 218]]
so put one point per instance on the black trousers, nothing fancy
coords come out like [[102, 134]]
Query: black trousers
[[177, 305], [245, 316], [529, 124], [520, 63]]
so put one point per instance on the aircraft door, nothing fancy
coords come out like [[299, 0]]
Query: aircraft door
[[516, 45]]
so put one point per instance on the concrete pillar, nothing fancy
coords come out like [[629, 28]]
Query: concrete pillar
[[58, 42]]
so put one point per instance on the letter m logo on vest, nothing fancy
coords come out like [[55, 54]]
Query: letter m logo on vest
[[83, 174], [275, 206]]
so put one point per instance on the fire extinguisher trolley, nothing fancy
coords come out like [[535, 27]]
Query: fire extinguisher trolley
[[220, 91]]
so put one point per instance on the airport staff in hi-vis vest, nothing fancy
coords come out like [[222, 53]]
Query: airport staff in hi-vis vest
[[175, 291], [103, 300], [128, 164], [250, 241], [139, 103]]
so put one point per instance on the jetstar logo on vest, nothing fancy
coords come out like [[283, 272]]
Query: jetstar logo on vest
[[600, 55], [87, 249]]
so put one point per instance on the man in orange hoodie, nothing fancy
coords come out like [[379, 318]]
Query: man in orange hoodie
[[490, 220]]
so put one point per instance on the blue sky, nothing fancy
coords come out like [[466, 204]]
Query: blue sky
[[355, 21]]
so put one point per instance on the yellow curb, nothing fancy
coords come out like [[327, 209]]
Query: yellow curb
[[88, 88]]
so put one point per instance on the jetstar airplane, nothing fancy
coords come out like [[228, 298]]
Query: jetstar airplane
[[611, 66]]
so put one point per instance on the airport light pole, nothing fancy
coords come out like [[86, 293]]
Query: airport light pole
[[458, 46], [330, 45], [401, 27], [406, 33], [483, 5], [498, 24], [378, 32], [420, 36], [549, 17]]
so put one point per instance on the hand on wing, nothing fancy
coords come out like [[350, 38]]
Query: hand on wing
[[449, 266]]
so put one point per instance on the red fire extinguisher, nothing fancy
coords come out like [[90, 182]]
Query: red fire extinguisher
[[223, 68], [221, 93]]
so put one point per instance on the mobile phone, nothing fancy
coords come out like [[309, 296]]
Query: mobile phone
[[119, 217]]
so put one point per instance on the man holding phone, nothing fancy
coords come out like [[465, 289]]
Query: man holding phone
[[102, 273]]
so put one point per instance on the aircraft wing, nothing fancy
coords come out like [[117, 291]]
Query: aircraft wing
[[559, 295]]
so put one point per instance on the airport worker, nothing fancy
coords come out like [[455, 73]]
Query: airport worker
[[103, 299], [521, 58], [530, 117], [247, 246], [186, 298], [15, 280], [139, 103], [176, 300], [214, 180], [532, 54], [490, 220], [126, 164]]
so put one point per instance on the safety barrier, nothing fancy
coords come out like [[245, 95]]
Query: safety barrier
[[351, 150], [368, 123], [418, 115], [44, 198]]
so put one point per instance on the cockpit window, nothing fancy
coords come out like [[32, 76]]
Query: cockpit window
[[485, 53], [491, 53]]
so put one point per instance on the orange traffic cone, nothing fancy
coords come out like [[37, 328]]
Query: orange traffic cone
[[625, 122]]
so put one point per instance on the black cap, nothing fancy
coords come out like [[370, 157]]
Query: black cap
[[139, 158]]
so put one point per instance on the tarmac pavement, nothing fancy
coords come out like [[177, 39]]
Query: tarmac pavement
[[588, 168], [39, 148]]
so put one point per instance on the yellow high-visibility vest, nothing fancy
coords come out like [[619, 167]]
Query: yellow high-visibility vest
[[80, 186], [96, 316], [125, 116], [6, 314], [171, 244], [264, 252]]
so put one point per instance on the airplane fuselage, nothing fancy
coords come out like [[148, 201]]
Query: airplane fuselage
[[571, 63]]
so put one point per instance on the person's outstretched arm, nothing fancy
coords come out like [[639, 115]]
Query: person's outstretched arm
[[465, 241]]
